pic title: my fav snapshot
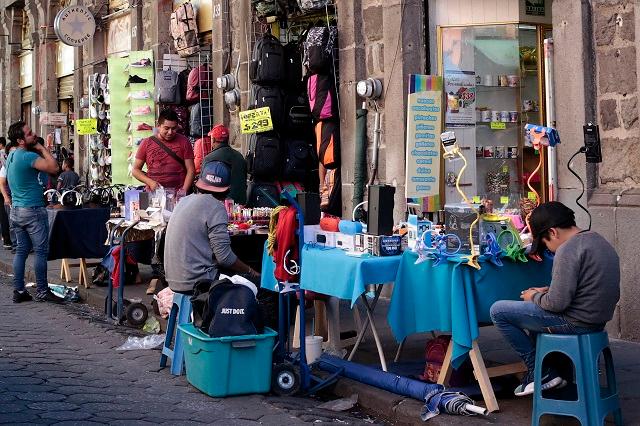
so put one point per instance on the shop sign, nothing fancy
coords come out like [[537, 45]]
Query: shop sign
[[534, 7], [75, 25], [56, 119], [256, 121], [87, 126], [424, 125], [460, 89]]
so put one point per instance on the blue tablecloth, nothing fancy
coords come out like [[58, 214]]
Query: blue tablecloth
[[456, 298], [330, 271], [77, 233]]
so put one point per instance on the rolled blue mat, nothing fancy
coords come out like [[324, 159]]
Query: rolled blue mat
[[350, 227]]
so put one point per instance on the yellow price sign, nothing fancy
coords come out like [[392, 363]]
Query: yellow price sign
[[504, 200], [498, 125], [505, 169], [256, 121], [476, 199], [532, 195], [87, 126]]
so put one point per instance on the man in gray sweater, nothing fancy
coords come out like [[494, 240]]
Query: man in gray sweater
[[582, 296], [197, 243]]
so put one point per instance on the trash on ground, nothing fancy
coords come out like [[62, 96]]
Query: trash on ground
[[152, 325], [342, 404], [70, 294], [136, 343]]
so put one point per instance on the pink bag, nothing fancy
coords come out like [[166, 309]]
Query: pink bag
[[165, 301], [322, 96]]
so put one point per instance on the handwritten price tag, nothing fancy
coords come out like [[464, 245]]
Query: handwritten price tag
[[504, 200], [87, 126], [498, 125], [256, 121], [476, 199], [532, 196], [505, 169]]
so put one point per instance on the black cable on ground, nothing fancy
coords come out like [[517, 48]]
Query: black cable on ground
[[580, 151]]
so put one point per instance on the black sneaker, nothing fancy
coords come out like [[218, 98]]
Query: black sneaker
[[48, 296], [7, 246], [136, 79], [21, 296], [550, 379]]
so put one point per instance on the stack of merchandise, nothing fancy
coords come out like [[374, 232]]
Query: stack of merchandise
[[283, 157], [319, 62], [99, 143]]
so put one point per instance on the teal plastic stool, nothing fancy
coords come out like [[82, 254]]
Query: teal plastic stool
[[591, 408], [180, 314]]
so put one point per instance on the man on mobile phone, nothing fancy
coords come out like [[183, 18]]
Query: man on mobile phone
[[28, 212]]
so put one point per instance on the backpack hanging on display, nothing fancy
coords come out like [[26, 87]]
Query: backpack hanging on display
[[183, 81], [322, 96], [267, 61], [328, 144], [311, 5], [299, 160], [184, 30], [318, 49], [167, 88], [272, 97], [200, 119], [294, 80], [297, 114], [199, 83], [265, 8], [264, 159], [263, 194]]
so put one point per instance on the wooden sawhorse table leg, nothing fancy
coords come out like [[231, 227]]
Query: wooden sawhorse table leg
[[83, 275], [480, 371]]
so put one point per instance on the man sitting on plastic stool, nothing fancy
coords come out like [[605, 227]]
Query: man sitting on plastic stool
[[582, 296], [197, 243]]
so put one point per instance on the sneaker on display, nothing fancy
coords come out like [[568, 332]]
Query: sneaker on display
[[48, 296], [21, 296], [136, 79], [550, 379], [142, 63], [144, 126], [142, 110], [140, 95]]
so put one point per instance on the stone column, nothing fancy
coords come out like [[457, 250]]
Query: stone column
[[155, 27], [223, 58]]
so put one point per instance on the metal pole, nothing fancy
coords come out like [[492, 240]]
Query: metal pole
[[552, 164]]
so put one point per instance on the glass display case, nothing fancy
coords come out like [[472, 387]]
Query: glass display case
[[493, 87]]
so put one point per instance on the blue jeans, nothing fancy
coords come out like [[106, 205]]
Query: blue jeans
[[521, 322], [31, 225], [12, 232]]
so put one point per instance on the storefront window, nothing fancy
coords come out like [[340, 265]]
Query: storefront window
[[492, 84], [65, 60], [26, 70]]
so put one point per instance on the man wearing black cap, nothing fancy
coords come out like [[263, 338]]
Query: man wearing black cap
[[197, 243], [582, 296]]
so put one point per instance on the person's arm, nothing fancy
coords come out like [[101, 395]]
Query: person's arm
[[191, 173], [142, 176], [564, 282], [46, 163], [4, 188], [225, 257], [59, 185]]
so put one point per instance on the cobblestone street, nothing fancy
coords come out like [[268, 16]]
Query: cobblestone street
[[58, 365]]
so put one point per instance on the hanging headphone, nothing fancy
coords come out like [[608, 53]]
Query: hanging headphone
[[52, 196], [71, 198]]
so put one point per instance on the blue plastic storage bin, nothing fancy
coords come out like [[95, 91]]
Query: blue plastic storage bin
[[224, 366]]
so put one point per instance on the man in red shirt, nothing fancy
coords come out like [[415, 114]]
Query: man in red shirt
[[168, 156]]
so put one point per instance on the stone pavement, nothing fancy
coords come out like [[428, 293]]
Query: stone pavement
[[58, 365]]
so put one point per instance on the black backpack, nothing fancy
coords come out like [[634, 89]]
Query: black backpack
[[318, 49], [264, 158], [263, 194], [222, 308], [293, 67], [183, 79], [272, 97], [267, 61], [298, 161], [298, 114]]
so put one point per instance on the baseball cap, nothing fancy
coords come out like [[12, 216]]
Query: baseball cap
[[215, 176], [219, 133], [546, 216]]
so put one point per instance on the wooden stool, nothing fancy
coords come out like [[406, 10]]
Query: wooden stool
[[83, 275]]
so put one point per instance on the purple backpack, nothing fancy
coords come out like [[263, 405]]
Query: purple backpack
[[322, 96]]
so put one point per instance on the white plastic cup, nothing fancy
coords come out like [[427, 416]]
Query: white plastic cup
[[313, 348]]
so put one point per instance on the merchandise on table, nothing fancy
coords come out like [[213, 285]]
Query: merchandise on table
[[458, 220]]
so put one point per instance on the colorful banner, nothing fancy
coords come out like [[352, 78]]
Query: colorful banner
[[460, 89], [424, 125]]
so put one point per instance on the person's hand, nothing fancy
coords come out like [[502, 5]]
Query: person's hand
[[153, 185], [7, 201], [181, 193], [540, 289], [527, 295]]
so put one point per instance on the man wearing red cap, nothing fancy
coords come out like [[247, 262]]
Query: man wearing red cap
[[222, 151]]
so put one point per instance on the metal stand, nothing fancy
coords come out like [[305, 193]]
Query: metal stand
[[370, 307]]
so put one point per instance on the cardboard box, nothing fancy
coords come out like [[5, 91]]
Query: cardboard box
[[345, 241], [415, 228], [458, 219], [326, 238]]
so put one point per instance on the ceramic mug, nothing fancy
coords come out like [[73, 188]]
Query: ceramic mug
[[513, 116], [504, 116], [503, 80], [486, 115], [495, 115], [513, 80], [490, 80]]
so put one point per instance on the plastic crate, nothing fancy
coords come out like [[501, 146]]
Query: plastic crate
[[224, 366]]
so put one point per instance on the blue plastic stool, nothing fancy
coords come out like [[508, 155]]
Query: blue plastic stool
[[180, 314], [591, 408]]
